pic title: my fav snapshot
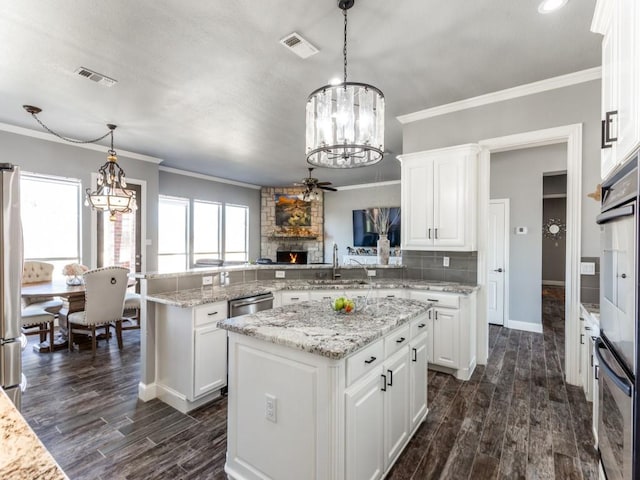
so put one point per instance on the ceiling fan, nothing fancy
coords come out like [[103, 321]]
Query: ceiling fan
[[311, 186]]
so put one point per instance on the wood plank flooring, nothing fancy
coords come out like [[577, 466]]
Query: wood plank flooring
[[514, 419]]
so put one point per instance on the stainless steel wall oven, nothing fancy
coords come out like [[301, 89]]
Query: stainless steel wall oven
[[616, 348]]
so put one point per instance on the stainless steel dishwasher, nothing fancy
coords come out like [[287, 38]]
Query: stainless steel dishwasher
[[243, 306]]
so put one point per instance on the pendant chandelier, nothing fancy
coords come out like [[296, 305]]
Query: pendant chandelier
[[345, 122], [111, 195]]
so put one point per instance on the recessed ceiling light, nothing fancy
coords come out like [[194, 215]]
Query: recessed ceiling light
[[548, 6], [335, 81]]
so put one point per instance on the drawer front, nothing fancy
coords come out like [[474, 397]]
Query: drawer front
[[365, 361], [390, 293], [395, 340], [294, 297], [439, 299], [210, 313], [327, 295], [418, 326]]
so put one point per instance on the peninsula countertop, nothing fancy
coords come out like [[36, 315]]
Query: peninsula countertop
[[210, 294], [22, 456], [313, 326]]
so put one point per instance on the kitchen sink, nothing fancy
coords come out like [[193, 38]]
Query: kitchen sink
[[337, 282]]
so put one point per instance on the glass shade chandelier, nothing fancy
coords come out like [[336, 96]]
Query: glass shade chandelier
[[345, 122], [111, 195]]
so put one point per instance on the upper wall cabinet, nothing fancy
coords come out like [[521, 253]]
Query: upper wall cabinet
[[439, 199], [619, 22]]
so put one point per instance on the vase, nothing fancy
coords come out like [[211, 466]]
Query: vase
[[74, 280], [383, 249]]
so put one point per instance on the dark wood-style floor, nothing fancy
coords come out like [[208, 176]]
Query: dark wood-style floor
[[515, 418]]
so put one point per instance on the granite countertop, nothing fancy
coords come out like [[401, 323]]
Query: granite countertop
[[201, 296], [22, 455], [315, 328]]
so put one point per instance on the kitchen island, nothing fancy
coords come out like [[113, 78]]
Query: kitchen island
[[318, 394]]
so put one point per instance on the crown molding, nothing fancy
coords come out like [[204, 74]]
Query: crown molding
[[202, 176], [26, 132], [508, 94], [369, 185], [602, 16]]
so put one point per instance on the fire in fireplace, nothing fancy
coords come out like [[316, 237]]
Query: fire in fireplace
[[291, 256]]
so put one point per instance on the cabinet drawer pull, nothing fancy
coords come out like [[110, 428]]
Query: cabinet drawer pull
[[422, 325], [432, 300], [295, 298], [415, 355], [390, 378], [400, 340], [391, 296], [384, 383], [212, 313], [371, 360]]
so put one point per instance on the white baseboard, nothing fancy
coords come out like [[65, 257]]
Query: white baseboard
[[147, 392], [525, 326], [553, 283]]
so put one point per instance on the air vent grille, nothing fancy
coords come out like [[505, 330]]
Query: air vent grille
[[295, 43], [96, 77]]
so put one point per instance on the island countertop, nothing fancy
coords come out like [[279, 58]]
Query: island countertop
[[313, 327], [200, 296]]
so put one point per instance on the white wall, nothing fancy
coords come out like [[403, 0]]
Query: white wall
[[564, 106], [338, 207], [517, 175]]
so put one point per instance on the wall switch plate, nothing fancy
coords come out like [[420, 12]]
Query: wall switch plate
[[522, 230], [271, 408], [279, 273], [207, 280], [445, 261], [587, 268], [371, 273]]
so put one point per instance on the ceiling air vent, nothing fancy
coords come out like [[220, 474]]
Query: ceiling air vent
[[96, 77], [298, 45]]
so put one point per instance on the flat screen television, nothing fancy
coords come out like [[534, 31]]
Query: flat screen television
[[364, 234]]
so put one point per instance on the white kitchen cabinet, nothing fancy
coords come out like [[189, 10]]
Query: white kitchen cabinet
[[451, 326], [194, 368], [619, 23], [418, 379], [438, 199], [396, 404]]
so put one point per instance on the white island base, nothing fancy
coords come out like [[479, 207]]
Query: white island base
[[298, 415]]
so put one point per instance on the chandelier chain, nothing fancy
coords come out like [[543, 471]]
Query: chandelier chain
[[344, 49], [73, 140]]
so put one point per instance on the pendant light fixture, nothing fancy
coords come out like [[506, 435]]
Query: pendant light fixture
[[345, 122], [111, 194]]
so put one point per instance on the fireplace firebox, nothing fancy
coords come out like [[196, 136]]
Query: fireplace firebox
[[291, 256]]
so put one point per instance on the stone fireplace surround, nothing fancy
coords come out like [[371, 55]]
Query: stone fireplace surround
[[274, 238]]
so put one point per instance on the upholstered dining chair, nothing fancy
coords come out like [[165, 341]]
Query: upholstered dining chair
[[39, 313], [104, 302], [131, 311]]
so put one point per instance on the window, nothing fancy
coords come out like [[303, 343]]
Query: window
[[206, 230], [50, 211], [236, 233], [173, 222]]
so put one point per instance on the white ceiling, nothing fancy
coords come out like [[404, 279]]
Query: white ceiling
[[205, 85]]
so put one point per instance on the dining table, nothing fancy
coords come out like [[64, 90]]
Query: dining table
[[73, 298]]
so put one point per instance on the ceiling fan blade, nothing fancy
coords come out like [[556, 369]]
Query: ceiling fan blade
[[331, 189], [323, 183]]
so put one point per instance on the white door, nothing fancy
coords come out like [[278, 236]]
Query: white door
[[497, 260]]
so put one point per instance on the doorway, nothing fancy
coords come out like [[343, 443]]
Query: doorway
[[498, 262], [571, 135]]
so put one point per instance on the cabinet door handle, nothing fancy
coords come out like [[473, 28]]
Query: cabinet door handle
[[415, 355], [371, 360], [582, 339], [435, 233], [384, 383], [436, 314], [429, 233], [390, 372], [608, 118], [603, 136], [592, 359], [422, 325], [400, 340], [212, 313], [596, 372]]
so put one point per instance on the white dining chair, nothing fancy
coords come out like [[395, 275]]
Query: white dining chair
[[104, 302]]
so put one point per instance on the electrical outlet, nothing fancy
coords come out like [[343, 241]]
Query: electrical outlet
[[271, 407], [207, 280], [371, 273], [279, 273], [445, 261]]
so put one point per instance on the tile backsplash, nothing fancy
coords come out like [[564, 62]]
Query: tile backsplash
[[463, 266]]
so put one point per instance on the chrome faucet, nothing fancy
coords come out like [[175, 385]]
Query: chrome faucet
[[334, 262]]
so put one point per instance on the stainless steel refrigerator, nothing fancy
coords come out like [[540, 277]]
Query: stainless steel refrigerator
[[10, 281]]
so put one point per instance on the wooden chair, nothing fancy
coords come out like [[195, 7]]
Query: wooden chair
[[104, 302], [37, 321], [131, 312]]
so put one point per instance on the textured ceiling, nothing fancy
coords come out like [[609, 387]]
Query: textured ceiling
[[206, 86]]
